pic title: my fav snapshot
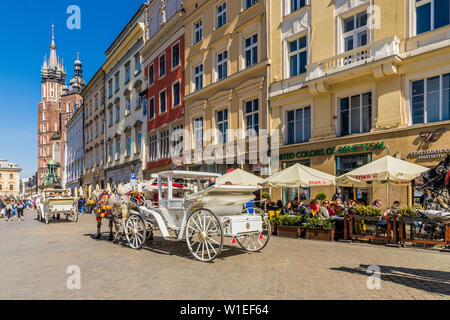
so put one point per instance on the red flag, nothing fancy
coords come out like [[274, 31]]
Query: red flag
[[233, 241]]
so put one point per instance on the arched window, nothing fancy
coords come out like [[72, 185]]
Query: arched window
[[56, 152]]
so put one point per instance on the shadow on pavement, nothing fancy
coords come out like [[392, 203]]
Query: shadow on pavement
[[437, 282]]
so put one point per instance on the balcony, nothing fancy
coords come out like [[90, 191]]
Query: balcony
[[380, 58]]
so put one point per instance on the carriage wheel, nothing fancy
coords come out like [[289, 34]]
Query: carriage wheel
[[46, 218], [256, 241], [135, 231], [204, 235]]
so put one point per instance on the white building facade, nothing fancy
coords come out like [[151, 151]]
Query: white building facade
[[74, 157]]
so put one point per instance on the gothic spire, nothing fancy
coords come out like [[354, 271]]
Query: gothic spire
[[53, 59]]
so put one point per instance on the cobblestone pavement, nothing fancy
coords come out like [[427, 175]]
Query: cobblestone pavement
[[34, 258]]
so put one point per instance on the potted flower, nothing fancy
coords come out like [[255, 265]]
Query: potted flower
[[408, 215], [289, 225], [320, 229], [273, 224], [368, 213]]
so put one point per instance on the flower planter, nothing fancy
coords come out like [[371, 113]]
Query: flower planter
[[289, 231], [367, 218], [273, 229], [320, 234]]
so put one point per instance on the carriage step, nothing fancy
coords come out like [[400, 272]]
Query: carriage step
[[170, 239]]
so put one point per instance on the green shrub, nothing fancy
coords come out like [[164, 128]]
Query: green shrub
[[368, 211], [289, 220], [321, 196], [274, 221], [315, 222], [407, 212], [265, 195]]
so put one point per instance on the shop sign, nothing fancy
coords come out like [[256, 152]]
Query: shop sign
[[371, 146], [432, 135], [430, 154]]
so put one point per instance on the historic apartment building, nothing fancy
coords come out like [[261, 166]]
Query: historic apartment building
[[94, 131], [352, 81], [124, 115], [9, 179], [163, 60], [74, 158], [225, 88]]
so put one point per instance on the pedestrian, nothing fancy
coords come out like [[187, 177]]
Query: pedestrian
[[8, 208], [81, 203], [2, 208], [424, 197], [337, 195], [20, 208]]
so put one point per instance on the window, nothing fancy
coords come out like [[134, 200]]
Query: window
[[128, 145], [297, 56], [51, 89], [198, 31], [118, 148], [431, 99], [151, 109], [349, 163], [111, 152], [127, 72], [162, 65], [144, 110], [162, 101], [117, 76], [103, 126], [11, 187], [222, 70], [175, 55], [164, 144], [152, 147], [297, 4], [128, 110], [1, 187], [198, 77], [176, 94], [177, 140], [249, 3], [298, 125], [110, 117], [198, 133], [151, 75], [96, 103], [96, 129], [221, 15], [356, 114], [110, 88], [355, 31], [251, 50], [431, 14], [117, 113], [11, 176], [252, 118], [138, 142], [222, 125], [139, 103], [137, 64], [97, 158]]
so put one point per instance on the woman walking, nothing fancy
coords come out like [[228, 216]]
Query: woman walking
[[20, 208], [8, 208]]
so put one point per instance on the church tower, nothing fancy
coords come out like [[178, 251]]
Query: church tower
[[53, 78]]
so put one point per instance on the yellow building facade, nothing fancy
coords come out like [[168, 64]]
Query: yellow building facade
[[9, 179], [225, 88], [353, 81]]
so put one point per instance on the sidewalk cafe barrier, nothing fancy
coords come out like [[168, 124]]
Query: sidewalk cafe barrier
[[413, 237], [354, 228]]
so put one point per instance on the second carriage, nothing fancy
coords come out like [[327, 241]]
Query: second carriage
[[202, 217]]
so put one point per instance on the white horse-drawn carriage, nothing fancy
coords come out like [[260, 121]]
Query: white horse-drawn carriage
[[200, 216], [56, 202]]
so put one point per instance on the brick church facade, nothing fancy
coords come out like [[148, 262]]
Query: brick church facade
[[54, 110]]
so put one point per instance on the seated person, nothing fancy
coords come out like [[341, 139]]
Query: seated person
[[314, 206], [304, 210], [281, 207], [323, 211]]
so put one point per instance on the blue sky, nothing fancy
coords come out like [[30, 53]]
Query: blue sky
[[25, 38]]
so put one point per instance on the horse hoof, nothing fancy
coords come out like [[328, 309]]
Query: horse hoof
[[97, 236], [110, 238]]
